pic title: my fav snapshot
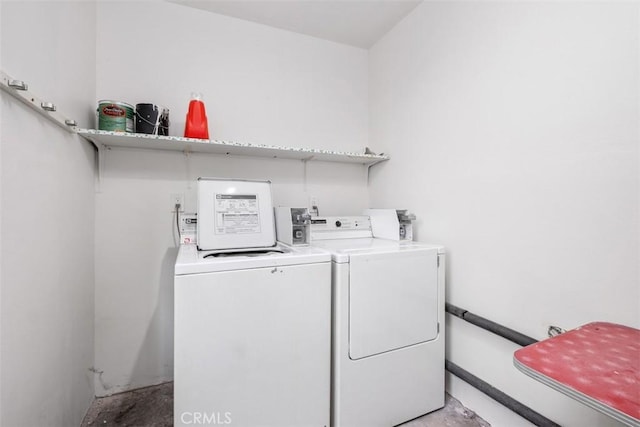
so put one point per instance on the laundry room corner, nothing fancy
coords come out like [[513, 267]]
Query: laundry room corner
[[260, 85], [341, 213]]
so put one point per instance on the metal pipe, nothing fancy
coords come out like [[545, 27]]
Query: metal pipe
[[499, 396], [490, 326]]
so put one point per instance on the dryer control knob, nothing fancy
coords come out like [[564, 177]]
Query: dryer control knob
[[338, 224]]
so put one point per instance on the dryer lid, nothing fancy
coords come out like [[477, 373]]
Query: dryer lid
[[343, 249]]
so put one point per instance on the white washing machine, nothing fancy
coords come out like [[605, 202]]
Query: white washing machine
[[388, 324], [252, 324]]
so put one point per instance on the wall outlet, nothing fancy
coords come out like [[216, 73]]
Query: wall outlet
[[177, 199]]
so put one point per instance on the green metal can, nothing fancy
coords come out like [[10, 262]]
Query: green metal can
[[115, 116]]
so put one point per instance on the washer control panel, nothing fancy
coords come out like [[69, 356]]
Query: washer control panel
[[340, 227]]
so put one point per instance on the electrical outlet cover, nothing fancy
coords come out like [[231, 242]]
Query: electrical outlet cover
[[177, 198]]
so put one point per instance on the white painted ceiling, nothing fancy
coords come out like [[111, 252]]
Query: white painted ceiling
[[354, 22]]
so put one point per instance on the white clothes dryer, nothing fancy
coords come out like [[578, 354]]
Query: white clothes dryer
[[387, 325]]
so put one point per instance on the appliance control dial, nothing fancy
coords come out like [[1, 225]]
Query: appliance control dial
[[338, 224]]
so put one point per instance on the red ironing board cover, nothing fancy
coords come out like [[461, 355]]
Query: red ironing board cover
[[600, 360]]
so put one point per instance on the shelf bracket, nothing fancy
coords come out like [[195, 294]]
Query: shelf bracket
[[304, 174], [100, 159], [187, 169], [369, 169]]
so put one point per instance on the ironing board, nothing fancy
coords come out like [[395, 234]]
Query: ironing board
[[597, 364]]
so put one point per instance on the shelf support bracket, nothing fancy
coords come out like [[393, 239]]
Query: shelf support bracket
[[100, 159], [369, 169], [304, 174], [187, 169]]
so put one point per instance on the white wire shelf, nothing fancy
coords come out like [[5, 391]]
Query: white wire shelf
[[106, 139]]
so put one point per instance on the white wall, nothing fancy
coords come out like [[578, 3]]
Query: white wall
[[47, 197], [513, 131], [261, 85], [1, 238]]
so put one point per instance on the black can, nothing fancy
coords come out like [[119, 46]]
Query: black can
[[152, 119]]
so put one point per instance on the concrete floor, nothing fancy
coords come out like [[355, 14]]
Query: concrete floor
[[153, 407]]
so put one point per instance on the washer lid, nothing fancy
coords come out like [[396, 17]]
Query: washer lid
[[192, 261]]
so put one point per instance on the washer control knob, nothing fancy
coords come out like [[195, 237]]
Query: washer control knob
[[338, 224]]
